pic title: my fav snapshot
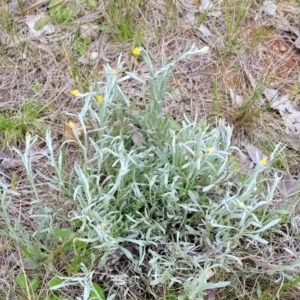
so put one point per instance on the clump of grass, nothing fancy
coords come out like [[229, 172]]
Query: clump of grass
[[236, 13], [14, 125], [122, 19], [62, 13], [150, 206]]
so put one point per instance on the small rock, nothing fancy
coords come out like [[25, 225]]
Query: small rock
[[283, 48], [93, 56], [91, 30]]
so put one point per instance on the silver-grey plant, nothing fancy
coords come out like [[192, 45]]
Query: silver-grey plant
[[172, 204]]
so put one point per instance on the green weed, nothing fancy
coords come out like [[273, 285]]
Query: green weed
[[122, 17], [14, 125], [236, 13], [61, 12]]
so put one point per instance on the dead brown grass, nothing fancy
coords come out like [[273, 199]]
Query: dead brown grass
[[199, 85]]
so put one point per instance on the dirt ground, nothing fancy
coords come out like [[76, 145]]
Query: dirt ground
[[254, 58]]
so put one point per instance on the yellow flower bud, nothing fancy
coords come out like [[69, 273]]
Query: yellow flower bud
[[240, 204], [209, 150], [71, 124], [264, 161], [75, 93], [101, 226], [136, 51], [99, 98]]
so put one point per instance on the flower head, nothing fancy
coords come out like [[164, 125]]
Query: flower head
[[209, 150], [28, 136], [99, 98], [74, 127], [114, 72], [136, 51], [264, 161], [101, 226], [71, 124], [240, 204], [75, 93], [205, 48], [209, 273]]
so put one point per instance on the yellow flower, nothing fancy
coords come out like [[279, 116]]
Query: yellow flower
[[205, 48], [99, 98], [136, 51], [74, 126], [75, 93], [264, 161], [209, 150], [240, 204], [71, 124], [28, 136], [114, 72]]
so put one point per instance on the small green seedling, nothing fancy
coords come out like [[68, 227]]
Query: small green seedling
[[28, 286]]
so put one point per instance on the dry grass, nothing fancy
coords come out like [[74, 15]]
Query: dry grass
[[46, 69]]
